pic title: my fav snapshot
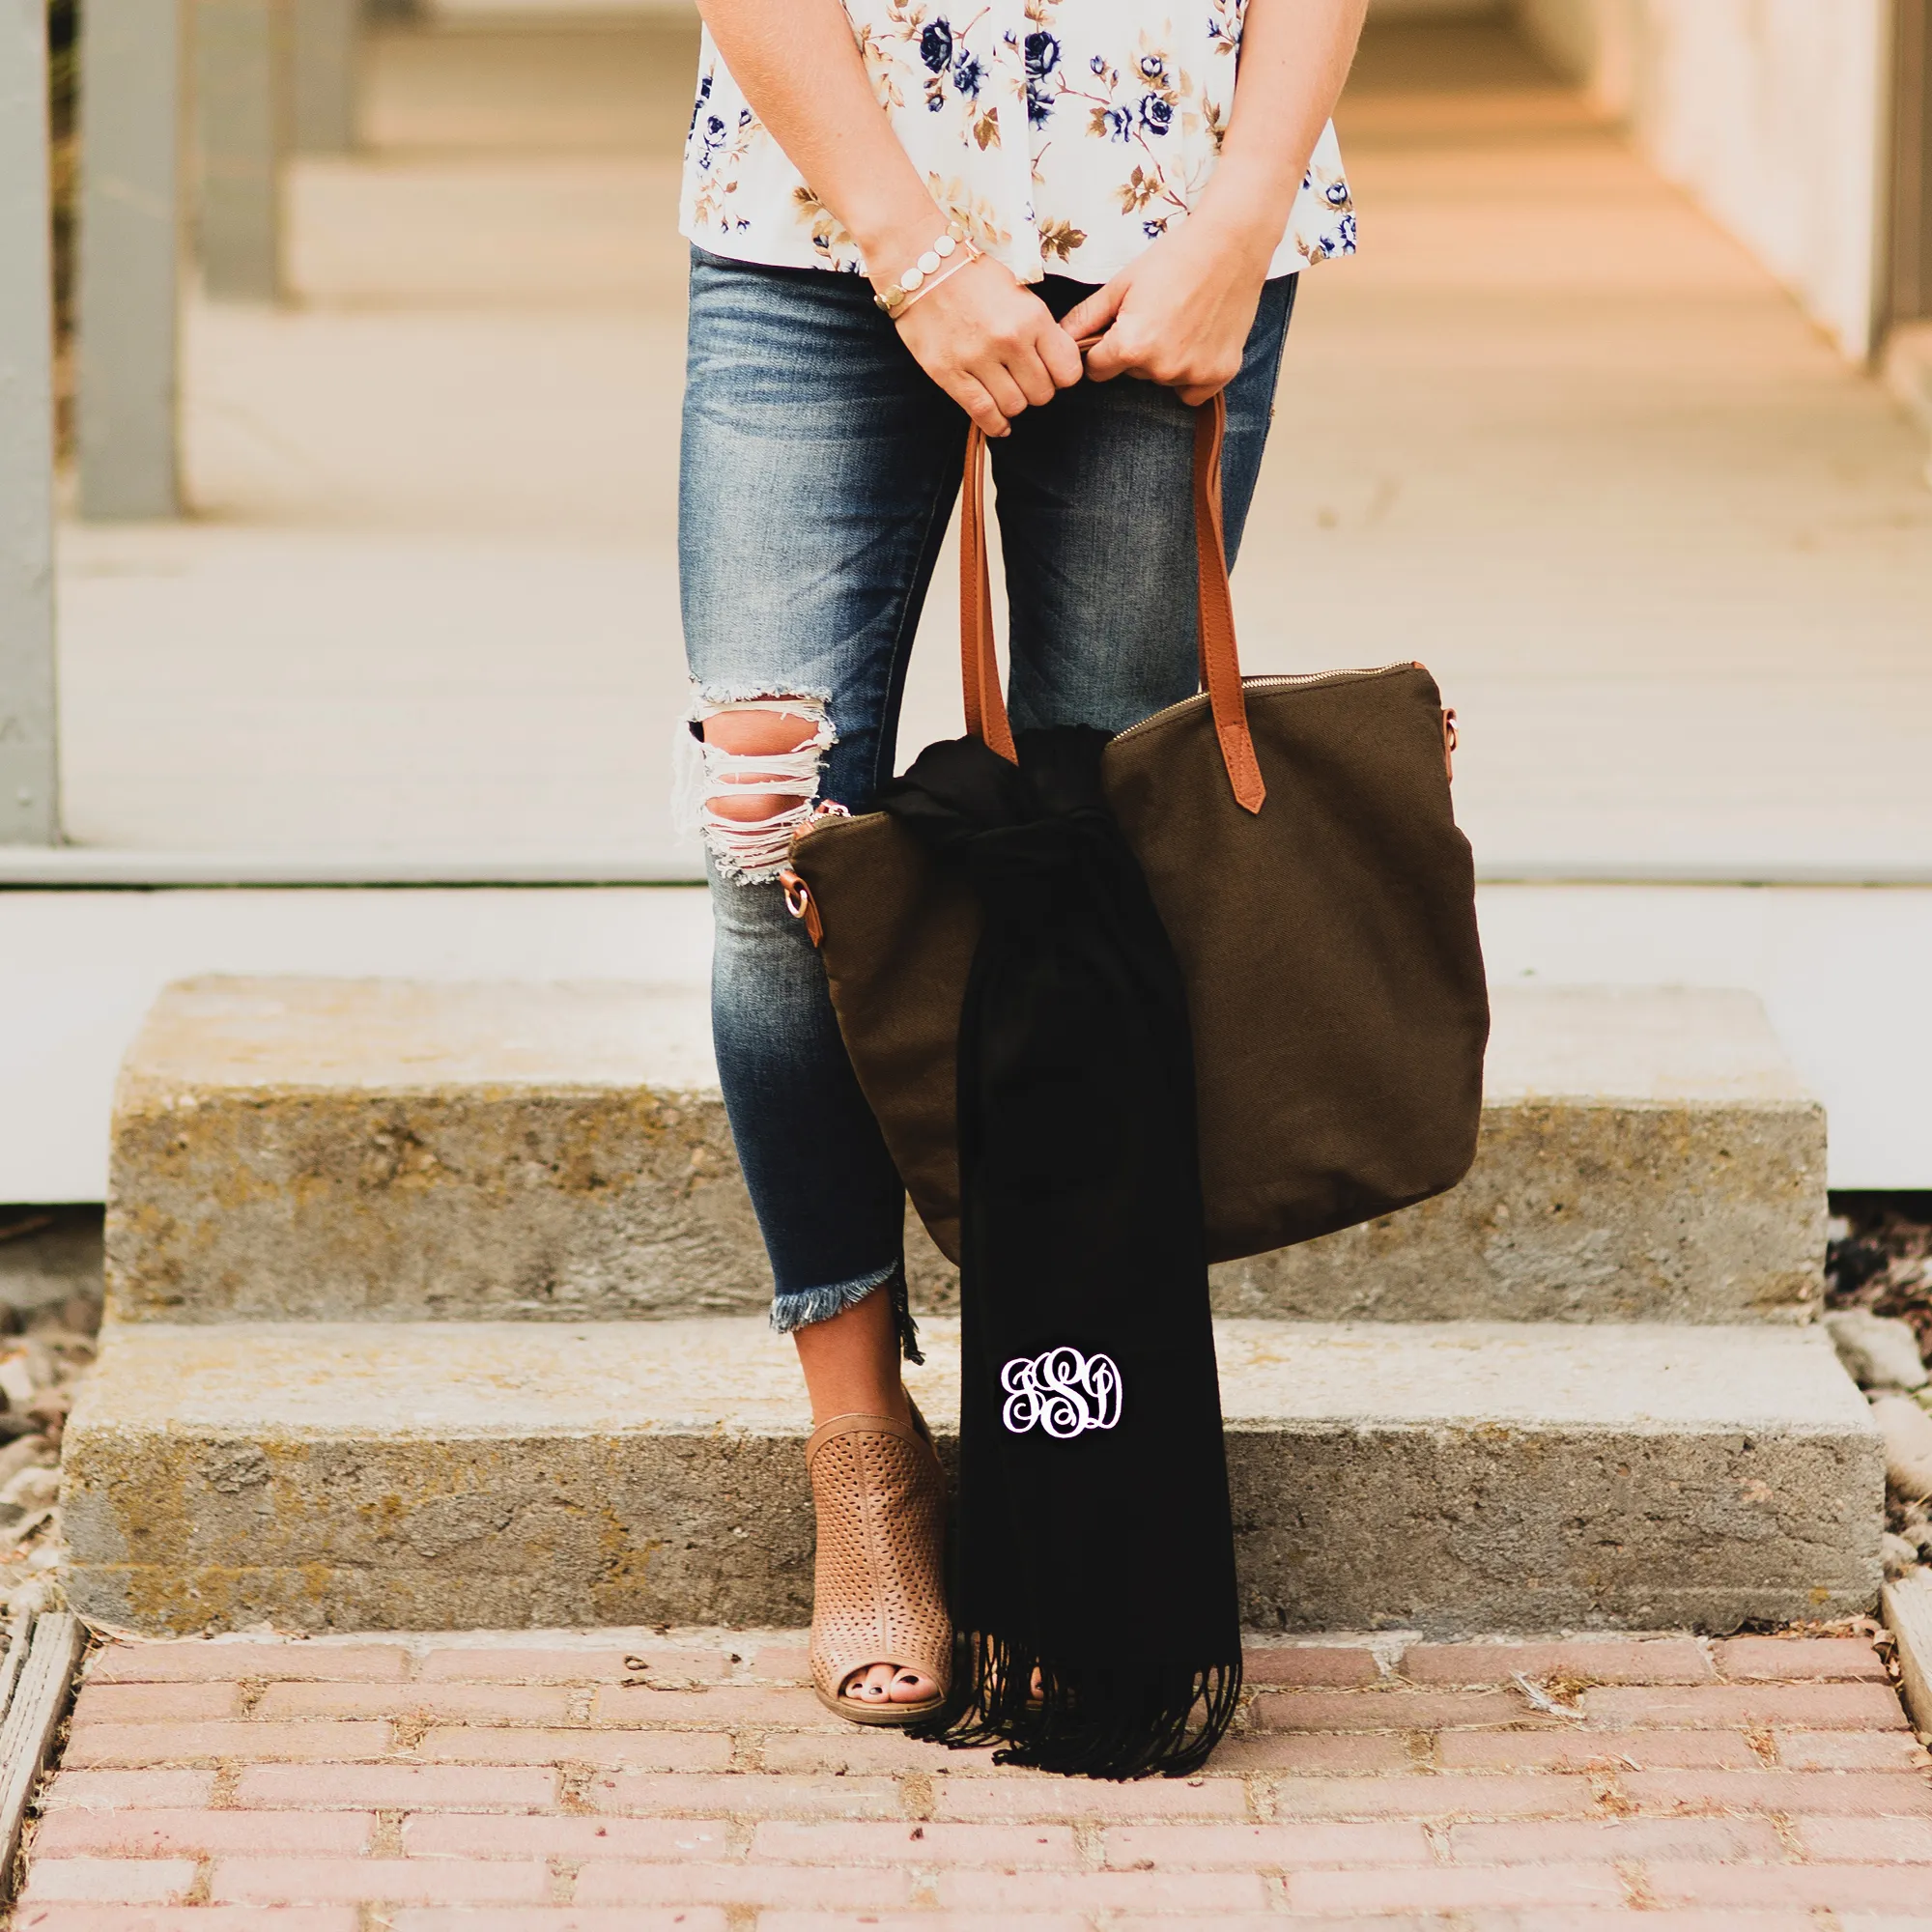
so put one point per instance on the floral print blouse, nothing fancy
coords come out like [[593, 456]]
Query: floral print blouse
[[1064, 135]]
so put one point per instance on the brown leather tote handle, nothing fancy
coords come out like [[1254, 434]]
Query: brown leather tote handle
[[1220, 658], [979, 661]]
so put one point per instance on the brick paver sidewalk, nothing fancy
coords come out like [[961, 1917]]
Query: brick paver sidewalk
[[544, 1785]]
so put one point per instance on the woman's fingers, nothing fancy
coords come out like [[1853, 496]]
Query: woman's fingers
[[1059, 352], [1112, 356], [1195, 371], [1092, 324], [991, 344], [997, 380], [993, 392], [1028, 368], [1097, 312], [972, 397]]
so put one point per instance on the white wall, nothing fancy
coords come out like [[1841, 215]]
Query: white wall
[[1774, 113]]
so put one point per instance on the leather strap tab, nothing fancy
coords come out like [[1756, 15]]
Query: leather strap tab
[[1220, 658], [1220, 655]]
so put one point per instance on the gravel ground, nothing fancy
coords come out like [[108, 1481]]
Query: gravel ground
[[49, 1315], [1881, 1257], [1880, 1260]]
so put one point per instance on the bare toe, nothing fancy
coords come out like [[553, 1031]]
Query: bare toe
[[871, 1687], [912, 1687]]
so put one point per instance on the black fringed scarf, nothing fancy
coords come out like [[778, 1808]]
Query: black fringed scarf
[[1094, 1540]]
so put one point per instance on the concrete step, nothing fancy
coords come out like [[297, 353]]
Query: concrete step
[[1437, 1476], [402, 1151]]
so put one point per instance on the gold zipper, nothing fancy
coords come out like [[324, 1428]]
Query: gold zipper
[[797, 894], [1278, 681]]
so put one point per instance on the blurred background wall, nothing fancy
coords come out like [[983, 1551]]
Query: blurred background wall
[[1778, 114]]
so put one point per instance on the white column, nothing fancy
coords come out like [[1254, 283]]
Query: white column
[[129, 257], [242, 116], [1910, 282], [29, 795], [323, 35]]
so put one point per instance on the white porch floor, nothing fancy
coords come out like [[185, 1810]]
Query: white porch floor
[[1551, 432]]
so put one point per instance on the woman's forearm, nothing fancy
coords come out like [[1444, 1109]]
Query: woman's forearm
[[800, 69], [1295, 58]]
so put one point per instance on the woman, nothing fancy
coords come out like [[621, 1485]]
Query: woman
[[1018, 202]]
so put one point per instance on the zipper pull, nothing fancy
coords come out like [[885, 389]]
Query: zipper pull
[[1449, 743]]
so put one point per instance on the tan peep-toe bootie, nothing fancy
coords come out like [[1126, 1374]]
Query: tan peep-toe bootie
[[878, 1594]]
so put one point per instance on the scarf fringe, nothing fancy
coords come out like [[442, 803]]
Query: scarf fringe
[[1090, 1721]]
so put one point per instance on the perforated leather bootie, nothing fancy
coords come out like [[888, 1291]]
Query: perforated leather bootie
[[878, 1593]]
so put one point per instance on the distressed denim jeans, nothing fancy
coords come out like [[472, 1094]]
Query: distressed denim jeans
[[819, 470]]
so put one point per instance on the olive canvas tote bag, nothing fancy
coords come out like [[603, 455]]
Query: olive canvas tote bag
[[1299, 839]]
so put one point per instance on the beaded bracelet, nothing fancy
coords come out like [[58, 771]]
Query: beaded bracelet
[[965, 260], [894, 297]]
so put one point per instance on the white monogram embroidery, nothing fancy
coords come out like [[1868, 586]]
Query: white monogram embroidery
[[1061, 1390]]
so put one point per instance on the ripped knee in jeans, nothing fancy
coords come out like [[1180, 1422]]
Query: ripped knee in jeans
[[749, 777]]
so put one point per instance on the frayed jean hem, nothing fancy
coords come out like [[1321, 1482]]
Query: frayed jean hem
[[793, 1308]]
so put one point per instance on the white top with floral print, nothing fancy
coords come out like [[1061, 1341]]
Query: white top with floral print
[[1064, 135]]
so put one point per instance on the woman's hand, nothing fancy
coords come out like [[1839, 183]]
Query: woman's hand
[[1179, 313], [992, 345]]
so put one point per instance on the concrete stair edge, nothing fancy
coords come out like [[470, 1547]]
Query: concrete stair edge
[[405, 1151], [1440, 1477]]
